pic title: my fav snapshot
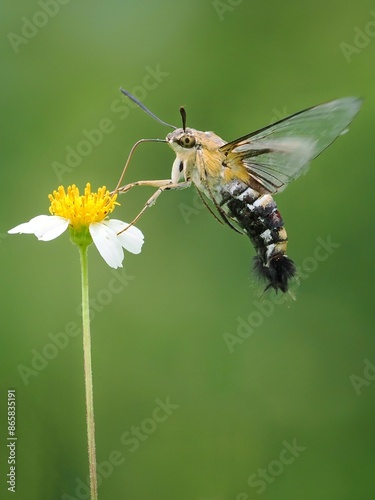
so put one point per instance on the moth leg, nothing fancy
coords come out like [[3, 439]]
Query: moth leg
[[154, 197], [156, 183]]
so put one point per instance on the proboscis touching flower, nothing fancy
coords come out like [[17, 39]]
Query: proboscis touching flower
[[86, 216]]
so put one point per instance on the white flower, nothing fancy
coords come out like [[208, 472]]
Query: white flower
[[82, 213], [104, 235]]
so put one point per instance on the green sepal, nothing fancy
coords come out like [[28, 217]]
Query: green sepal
[[80, 237]]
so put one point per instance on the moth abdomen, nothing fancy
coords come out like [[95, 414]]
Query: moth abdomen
[[258, 216], [278, 271]]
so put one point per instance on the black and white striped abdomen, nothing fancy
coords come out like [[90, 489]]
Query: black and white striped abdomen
[[259, 218]]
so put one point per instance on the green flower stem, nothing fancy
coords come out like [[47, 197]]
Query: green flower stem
[[88, 372]]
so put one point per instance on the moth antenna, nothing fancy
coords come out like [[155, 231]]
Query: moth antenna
[[183, 116], [142, 106]]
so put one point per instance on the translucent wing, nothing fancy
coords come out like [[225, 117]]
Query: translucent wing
[[277, 154]]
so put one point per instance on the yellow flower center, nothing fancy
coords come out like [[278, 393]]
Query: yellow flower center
[[82, 210]]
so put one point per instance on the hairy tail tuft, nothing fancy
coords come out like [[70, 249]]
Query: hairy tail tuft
[[278, 271]]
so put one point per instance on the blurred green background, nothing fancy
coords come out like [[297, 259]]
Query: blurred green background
[[302, 373]]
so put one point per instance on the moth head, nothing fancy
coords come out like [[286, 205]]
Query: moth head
[[181, 139]]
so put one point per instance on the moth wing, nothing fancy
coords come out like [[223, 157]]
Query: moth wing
[[279, 153]]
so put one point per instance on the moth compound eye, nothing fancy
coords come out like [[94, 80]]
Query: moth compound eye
[[187, 141]]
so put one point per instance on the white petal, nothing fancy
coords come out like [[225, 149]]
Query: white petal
[[28, 227], [107, 243], [52, 228], [132, 239], [45, 227]]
